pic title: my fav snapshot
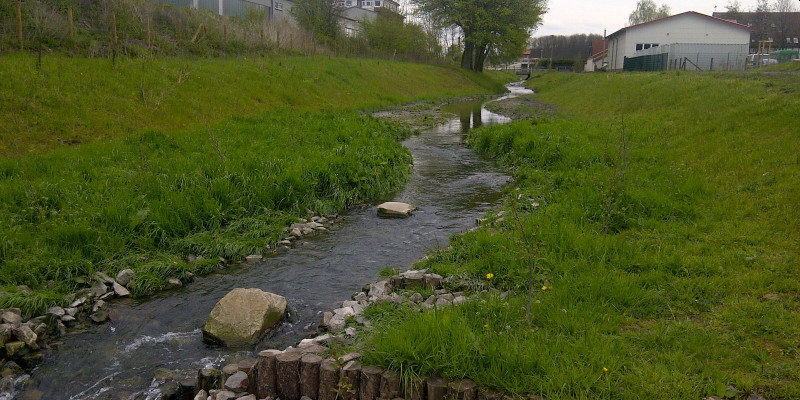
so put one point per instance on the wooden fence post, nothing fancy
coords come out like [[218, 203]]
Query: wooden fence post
[[114, 28], [147, 23], [224, 32], [262, 36], [179, 30], [69, 19], [291, 41], [278, 39], [19, 24]]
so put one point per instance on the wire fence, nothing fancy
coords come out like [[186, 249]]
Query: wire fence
[[114, 28], [689, 56]]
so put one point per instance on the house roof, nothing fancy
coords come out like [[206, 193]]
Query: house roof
[[714, 19]]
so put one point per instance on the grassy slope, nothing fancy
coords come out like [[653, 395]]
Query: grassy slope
[[680, 279], [81, 99], [170, 166]]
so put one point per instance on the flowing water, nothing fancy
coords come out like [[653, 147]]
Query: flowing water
[[451, 187]]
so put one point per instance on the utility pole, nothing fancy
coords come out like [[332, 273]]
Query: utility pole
[[605, 41]]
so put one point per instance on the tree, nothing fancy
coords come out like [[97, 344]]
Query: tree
[[647, 10], [390, 33], [734, 6], [318, 16], [784, 6], [497, 27]]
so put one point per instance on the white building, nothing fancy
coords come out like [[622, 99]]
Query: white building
[[704, 40]]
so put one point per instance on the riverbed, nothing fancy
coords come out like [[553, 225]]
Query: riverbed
[[450, 185]]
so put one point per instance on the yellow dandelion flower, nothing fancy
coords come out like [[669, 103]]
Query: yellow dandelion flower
[[489, 275], [544, 287], [605, 369], [485, 325]]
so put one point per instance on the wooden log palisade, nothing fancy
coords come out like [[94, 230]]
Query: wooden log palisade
[[302, 373], [294, 374]]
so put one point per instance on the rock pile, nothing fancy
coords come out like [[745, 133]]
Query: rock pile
[[306, 228], [387, 291]]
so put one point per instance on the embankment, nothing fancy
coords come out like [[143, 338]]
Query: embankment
[[139, 163], [653, 221]]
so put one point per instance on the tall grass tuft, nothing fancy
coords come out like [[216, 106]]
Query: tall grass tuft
[[689, 291], [148, 201]]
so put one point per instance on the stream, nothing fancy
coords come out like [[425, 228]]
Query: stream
[[451, 187]]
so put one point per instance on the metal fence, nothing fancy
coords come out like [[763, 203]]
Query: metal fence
[[689, 56], [232, 8]]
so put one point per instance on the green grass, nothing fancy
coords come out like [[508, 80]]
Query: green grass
[[79, 100], [138, 163], [148, 199], [658, 276]]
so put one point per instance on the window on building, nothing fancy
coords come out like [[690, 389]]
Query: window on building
[[796, 41], [279, 6], [377, 4], [368, 3], [349, 3], [639, 46]]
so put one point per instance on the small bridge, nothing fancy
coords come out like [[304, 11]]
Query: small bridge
[[524, 71]]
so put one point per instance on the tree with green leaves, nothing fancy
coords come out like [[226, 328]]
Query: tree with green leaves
[[391, 34], [318, 16], [648, 10], [499, 28]]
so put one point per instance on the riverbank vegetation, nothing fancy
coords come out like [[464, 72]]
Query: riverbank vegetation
[[141, 162], [69, 101], [658, 212]]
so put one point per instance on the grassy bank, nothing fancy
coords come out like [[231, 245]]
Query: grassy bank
[[665, 259], [140, 163], [78, 100]]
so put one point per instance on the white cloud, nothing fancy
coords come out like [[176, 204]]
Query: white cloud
[[585, 16]]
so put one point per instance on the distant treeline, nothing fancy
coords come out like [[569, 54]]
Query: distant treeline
[[563, 47]]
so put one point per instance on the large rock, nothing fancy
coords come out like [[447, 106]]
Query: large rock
[[242, 316], [27, 335], [124, 276], [394, 209]]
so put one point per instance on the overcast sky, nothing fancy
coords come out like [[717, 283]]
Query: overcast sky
[[566, 17]]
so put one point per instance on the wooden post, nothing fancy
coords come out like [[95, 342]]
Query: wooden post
[[309, 375], [278, 39], [328, 380], [224, 32], [463, 389], [351, 375], [114, 29], [288, 375], [147, 23], [19, 24], [261, 32], [291, 41], [196, 34], [69, 20], [265, 374], [390, 385], [370, 384], [415, 389], [179, 30], [437, 388]]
